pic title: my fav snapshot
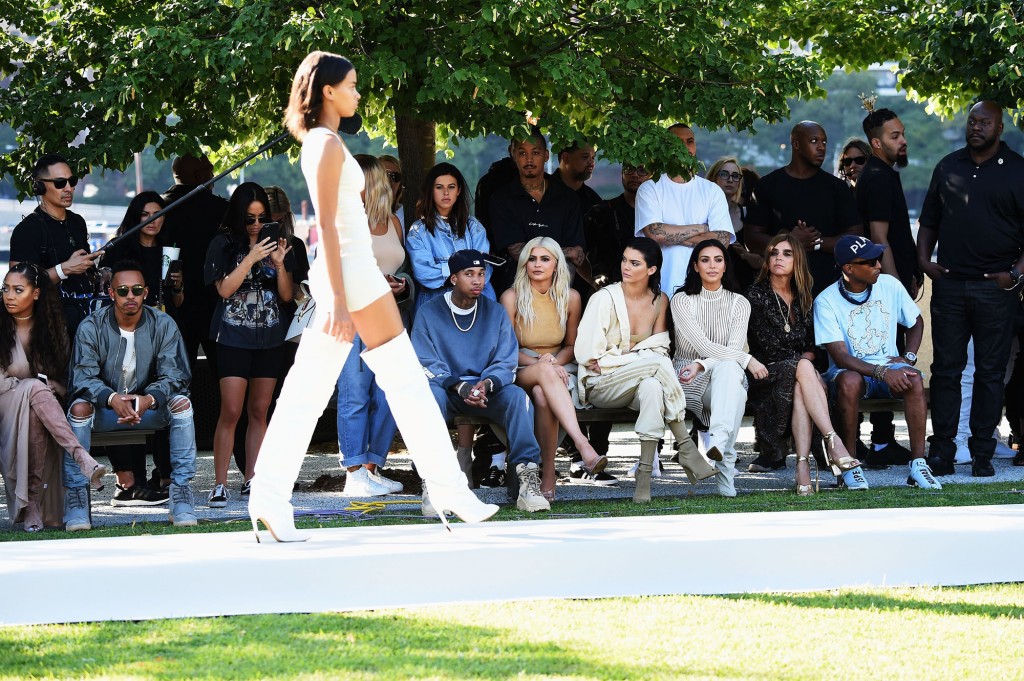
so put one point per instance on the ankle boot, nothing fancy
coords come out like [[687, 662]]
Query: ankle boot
[[299, 407], [694, 465], [401, 377], [51, 415], [642, 492]]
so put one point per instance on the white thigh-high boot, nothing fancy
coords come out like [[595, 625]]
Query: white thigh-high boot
[[401, 377], [307, 389]]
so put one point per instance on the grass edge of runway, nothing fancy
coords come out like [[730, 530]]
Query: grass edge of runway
[[408, 511], [848, 633]]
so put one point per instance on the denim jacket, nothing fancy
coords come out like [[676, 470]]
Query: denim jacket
[[162, 368]]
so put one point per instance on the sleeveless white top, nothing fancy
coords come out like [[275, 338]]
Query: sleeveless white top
[[363, 280]]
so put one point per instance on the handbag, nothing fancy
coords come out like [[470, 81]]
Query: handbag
[[304, 316]]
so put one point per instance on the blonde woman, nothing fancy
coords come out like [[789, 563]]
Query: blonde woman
[[545, 314], [727, 174], [353, 296], [365, 425], [393, 169]]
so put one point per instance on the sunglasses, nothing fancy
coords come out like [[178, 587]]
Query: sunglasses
[[394, 176], [869, 263], [137, 290], [726, 175], [253, 221], [635, 170], [850, 160], [61, 182]]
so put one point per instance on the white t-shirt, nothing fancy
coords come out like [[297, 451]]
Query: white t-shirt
[[128, 366], [697, 202], [869, 330]]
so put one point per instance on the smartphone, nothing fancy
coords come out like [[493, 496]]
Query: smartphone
[[270, 230], [172, 268], [44, 378], [135, 404]]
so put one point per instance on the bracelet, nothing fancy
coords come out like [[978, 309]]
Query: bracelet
[[879, 373], [60, 272]]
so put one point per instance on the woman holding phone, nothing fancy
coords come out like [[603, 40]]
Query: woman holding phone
[[146, 248], [250, 266], [352, 296]]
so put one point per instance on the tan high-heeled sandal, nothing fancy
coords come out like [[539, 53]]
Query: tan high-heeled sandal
[[806, 490], [838, 466]]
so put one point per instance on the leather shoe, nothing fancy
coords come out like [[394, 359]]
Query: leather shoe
[[940, 466], [1019, 459], [982, 468]]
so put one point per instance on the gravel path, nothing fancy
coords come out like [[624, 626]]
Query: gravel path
[[323, 460]]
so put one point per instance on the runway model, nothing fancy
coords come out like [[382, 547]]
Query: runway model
[[351, 296]]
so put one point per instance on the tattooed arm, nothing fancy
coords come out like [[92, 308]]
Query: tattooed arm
[[675, 235]]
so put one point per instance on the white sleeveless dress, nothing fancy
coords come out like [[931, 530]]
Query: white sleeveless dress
[[364, 282]]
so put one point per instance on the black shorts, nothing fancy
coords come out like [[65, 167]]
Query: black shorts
[[243, 363]]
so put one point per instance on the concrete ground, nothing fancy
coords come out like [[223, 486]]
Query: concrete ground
[[322, 460]]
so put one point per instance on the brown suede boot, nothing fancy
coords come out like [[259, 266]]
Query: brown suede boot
[[642, 492], [48, 410]]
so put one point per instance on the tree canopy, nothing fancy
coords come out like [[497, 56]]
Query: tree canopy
[[114, 76]]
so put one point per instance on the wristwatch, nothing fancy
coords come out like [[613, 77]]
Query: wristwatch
[[910, 357]]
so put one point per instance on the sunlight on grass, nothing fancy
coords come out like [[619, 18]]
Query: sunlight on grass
[[933, 633]]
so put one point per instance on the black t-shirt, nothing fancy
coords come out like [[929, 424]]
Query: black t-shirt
[[880, 198], [252, 317], [47, 242], [516, 218], [823, 201], [191, 226], [978, 212], [608, 227], [588, 198], [502, 172]]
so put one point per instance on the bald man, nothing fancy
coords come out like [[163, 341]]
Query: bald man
[[974, 211], [801, 198]]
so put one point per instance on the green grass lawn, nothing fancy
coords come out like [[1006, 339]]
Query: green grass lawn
[[922, 633], [907, 633]]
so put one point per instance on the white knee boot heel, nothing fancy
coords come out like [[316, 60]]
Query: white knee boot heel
[[400, 375]]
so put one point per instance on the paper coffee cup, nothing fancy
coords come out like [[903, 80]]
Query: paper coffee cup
[[171, 253]]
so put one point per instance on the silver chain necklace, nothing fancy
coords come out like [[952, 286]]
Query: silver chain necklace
[[471, 322]]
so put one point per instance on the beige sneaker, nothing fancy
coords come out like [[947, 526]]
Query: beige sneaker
[[530, 497]]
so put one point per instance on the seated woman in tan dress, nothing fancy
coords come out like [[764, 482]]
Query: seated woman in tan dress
[[33, 429], [545, 313]]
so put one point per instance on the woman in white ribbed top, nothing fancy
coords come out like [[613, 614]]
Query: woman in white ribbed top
[[710, 320]]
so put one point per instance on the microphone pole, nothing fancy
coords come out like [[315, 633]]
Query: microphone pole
[[160, 213]]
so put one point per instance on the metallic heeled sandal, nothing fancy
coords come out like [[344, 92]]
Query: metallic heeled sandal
[[807, 490], [839, 466]]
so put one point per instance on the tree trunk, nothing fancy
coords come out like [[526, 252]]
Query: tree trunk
[[416, 150]]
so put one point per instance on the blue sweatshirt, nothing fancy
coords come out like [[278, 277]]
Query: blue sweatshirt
[[489, 349]]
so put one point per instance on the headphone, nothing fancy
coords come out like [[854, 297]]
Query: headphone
[[38, 186]]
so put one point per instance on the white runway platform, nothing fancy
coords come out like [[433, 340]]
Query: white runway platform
[[230, 574]]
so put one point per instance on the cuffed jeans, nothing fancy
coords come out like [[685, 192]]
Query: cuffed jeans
[[366, 427], [962, 310], [510, 407], [182, 435]]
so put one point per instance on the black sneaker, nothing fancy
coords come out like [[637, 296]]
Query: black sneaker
[[765, 464], [1019, 459], [579, 474], [870, 459], [940, 466], [895, 454], [137, 495], [982, 468], [495, 478], [246, 486]]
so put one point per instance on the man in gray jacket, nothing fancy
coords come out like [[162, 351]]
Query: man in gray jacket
[[129, 370]]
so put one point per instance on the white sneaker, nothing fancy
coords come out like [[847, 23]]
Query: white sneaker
[[1003, 450], [963, 454], [358, 483], [655, 471], [394, 487], [921, 476]]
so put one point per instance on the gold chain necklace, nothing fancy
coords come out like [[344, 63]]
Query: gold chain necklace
[[785, 319]]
